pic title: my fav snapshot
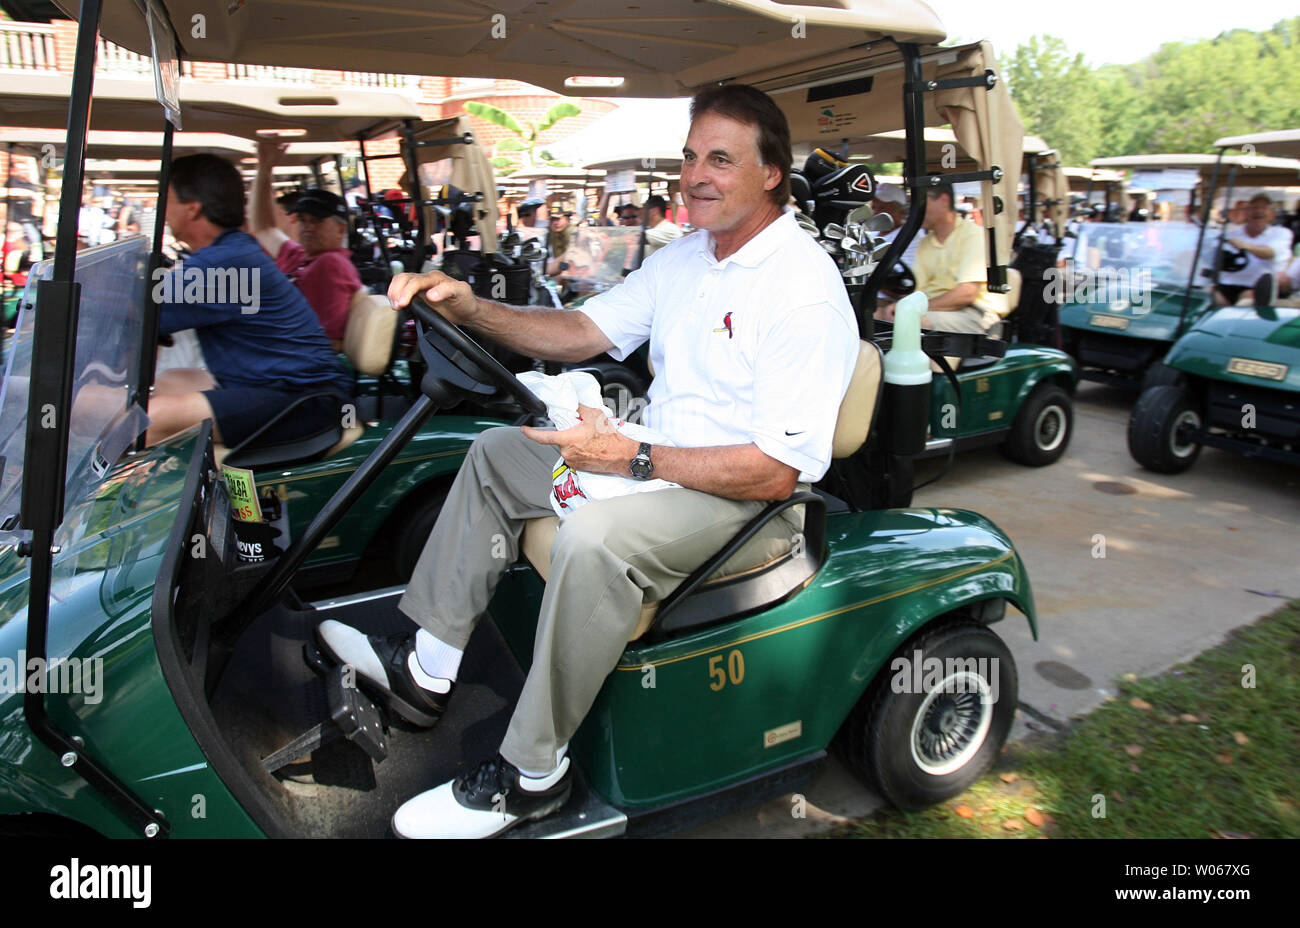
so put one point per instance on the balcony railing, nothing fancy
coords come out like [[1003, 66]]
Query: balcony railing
[[27, 46]]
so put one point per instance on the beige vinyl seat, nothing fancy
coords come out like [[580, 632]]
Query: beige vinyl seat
[[368, 345], [748, 580]]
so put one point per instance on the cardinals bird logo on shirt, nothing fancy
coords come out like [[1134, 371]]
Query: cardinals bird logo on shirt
[[726, 326]]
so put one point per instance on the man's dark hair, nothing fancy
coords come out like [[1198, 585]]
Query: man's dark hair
[[214, 183], [754, 108], [657, 202], [289, 200], [942, 190]]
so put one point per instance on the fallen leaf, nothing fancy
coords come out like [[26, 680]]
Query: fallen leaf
[[964, 811], [1133, 750], [1137, 702], [1135, 768], [1188, 717], [1013, 824], [1034, 817], [985, 810], [1240, 737], [1131, 677], [1172, 719], [1224, 758], [1116, 796], [1010, 777]]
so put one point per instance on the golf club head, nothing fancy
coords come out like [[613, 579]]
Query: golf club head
[[860, 213], [880, 222], [830, 247], [834, 230], [878, 251]]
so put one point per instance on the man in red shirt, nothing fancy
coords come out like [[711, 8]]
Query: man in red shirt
[[318, 263]]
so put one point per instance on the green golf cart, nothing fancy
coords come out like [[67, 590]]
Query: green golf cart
[[202, 718], [1233, 378], [1133, 288]]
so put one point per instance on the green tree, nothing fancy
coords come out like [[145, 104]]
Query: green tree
[[1057, 96], [526, 139]]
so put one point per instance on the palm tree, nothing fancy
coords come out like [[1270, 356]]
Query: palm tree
[[526, 140]]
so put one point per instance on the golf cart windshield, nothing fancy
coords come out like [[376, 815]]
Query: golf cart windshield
[[104, 420], [1164, 250], [597, 255]]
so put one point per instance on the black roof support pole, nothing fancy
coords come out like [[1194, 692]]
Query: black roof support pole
[[153, 308], [417, 194], [363, 169], [914, 168], [53, 357], [1200, 238], [1227, 218]]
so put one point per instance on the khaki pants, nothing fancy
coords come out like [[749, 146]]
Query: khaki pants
[[608, 557], [967, 319]]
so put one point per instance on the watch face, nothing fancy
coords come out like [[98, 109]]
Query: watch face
[[641, 467]]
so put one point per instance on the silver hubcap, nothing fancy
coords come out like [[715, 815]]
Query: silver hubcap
[[1049, 428], [950, 726], [1187, 419]]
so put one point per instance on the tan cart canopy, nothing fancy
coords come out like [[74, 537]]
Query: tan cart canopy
[[1251, 170], [122, 145], [664, 48], [41, 101], [1284, 143]]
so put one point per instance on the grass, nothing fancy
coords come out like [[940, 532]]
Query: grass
[[1191, 753]]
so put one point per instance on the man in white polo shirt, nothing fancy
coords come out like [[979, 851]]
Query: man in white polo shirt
[[1267, 248], [753, 342]]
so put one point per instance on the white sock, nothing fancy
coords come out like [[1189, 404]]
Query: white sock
[[559, 756], [436, 657]]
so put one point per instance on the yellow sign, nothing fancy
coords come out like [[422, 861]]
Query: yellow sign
[[1108, 322], [1265, 369], [243, 494]]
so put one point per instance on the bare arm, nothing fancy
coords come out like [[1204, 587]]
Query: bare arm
[[261, 213], [1264, 252], [731, 471], [959, 297], [548, 334]]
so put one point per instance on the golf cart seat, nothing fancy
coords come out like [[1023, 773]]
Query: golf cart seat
[[368, 344], [739, 579]]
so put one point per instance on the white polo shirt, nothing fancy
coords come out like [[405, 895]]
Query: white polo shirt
[[759, 347], [1276, 237]]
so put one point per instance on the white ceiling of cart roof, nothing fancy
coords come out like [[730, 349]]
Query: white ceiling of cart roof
[[662, 48]]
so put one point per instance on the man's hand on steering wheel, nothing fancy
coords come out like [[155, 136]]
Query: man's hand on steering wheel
[[593, 445], [453, 299]]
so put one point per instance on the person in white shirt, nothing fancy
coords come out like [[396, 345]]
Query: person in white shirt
[[658, 230], [1267, 248], [753, 342]]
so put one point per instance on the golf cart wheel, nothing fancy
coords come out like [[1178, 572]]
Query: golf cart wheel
[[1041, 431], [1155, 430], [921, 747], [1160, 375], [415, 531]]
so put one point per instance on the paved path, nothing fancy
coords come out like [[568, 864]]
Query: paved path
[[1187, 558]]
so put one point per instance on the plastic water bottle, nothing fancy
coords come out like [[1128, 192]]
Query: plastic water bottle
[[905, 406]]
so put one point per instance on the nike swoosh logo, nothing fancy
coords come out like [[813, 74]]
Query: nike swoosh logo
[[800, 432]]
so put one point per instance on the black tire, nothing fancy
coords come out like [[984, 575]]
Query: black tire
[[1153, 430], [1043, 427], [1160, 375], [890, 739], [415, 531]]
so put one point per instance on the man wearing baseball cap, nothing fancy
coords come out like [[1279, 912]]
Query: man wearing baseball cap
[[318, 263]]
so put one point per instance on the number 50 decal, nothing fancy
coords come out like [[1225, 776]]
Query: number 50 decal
[[734, 671]]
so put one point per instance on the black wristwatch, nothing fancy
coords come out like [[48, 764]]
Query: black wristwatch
[[641, 467]]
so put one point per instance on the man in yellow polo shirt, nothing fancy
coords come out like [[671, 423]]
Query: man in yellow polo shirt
[[951, 269]]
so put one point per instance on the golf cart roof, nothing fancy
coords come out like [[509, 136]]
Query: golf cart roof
[[241, 109], [107, 144], [1284, 142], [889, 146], [664, 50], [639, 130], [1260, 171]]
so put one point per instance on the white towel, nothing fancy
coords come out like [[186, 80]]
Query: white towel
[[562, 394]]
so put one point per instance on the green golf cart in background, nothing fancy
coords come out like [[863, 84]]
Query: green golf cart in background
[[1135, 287], [205, 720], [1233, 378]]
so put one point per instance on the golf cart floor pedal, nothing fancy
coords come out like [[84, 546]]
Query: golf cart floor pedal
[[352, 716], [314, 659]]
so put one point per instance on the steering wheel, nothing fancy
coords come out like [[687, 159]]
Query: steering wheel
[[900, 280], [468, 357]]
